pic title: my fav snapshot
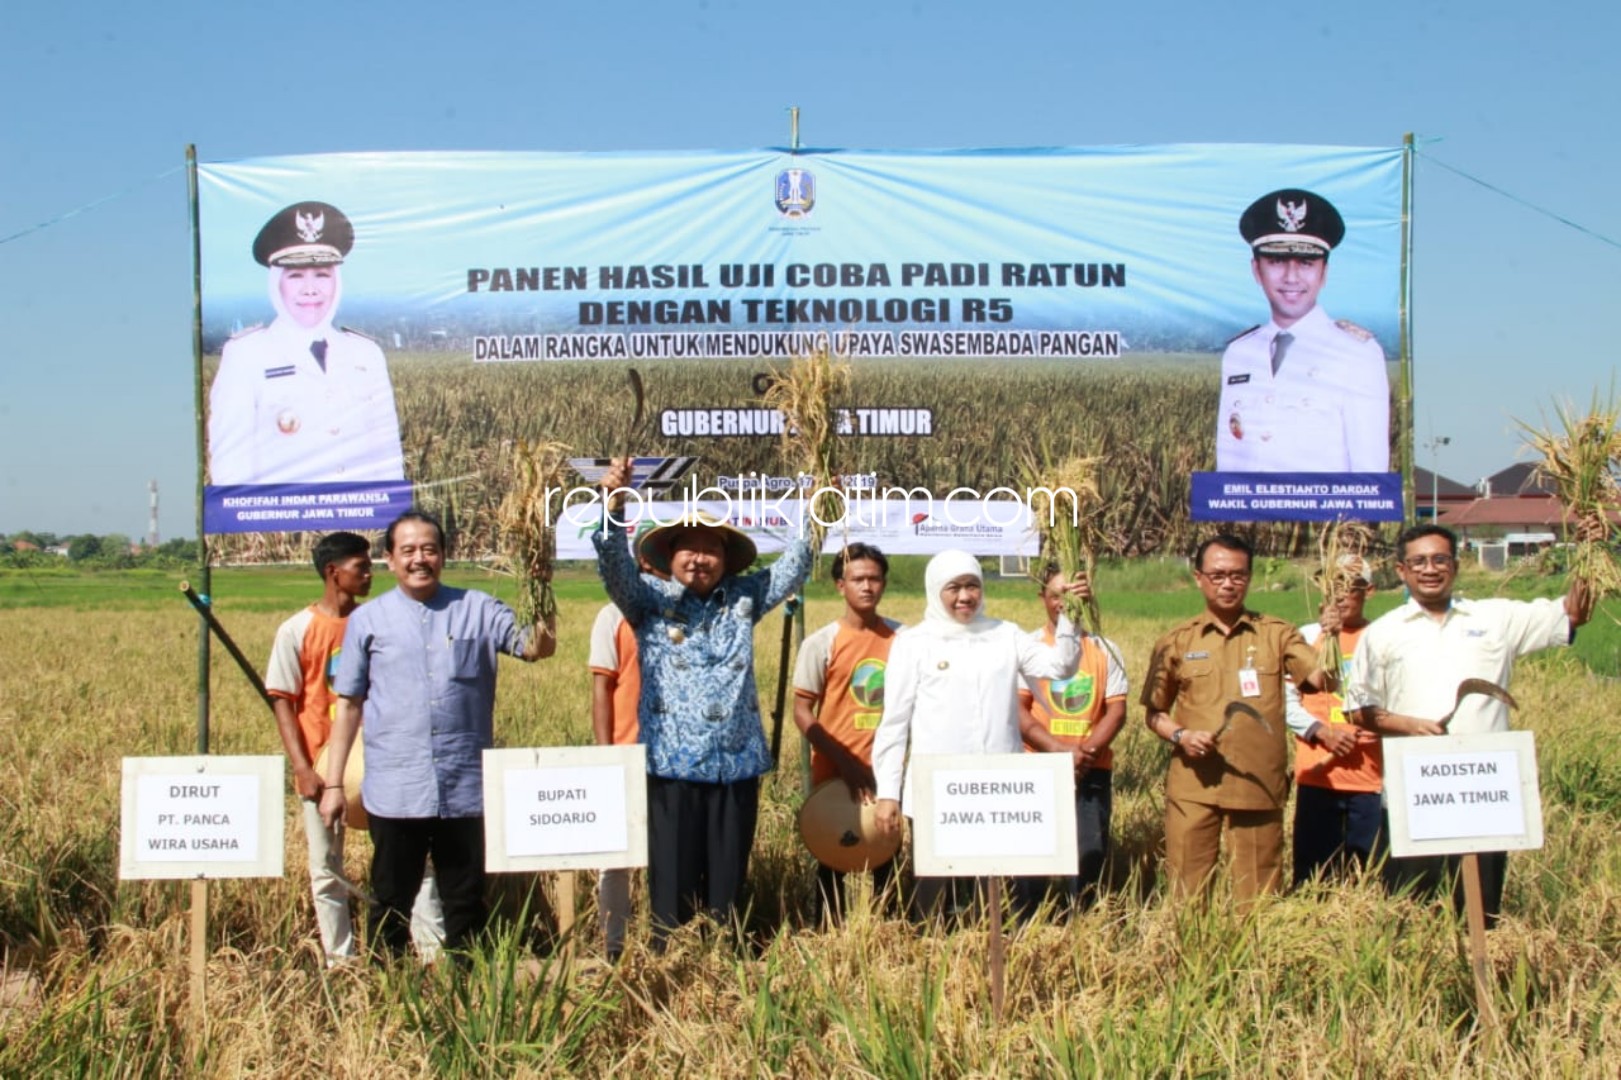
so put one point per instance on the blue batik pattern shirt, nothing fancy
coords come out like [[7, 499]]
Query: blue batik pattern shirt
[[700, 711], [427, 674]]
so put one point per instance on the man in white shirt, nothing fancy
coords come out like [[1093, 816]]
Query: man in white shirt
[[1301, 392], [1405, 676]]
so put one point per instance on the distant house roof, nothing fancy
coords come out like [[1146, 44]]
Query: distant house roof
[[1425, 481], [1519, 479], [24, 545], [1540, 510]]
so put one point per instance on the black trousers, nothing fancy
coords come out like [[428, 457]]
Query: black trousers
[[401, 848], [698, 841]]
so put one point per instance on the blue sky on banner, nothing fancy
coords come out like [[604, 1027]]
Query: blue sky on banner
[[1510, 308]]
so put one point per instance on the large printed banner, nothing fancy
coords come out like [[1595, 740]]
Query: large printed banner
[[381, 328]]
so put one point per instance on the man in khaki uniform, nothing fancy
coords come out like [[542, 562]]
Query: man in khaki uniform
[[1215, 692]]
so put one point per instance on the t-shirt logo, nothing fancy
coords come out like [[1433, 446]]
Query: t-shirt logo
[[331, 675], [867, 683], [1071, 697]]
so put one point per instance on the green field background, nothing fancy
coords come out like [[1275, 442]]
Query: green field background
[[1334, 980]]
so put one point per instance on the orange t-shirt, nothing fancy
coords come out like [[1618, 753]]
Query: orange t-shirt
[[1363, 769], [613, 653], [1069, 707], [844, 670], [302, 661]]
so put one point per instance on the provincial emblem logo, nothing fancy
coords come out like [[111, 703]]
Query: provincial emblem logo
[[796, 192]]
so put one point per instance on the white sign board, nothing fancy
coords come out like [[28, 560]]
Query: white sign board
[[982, 814], [565, 808], [1453, 794], [202, 817]]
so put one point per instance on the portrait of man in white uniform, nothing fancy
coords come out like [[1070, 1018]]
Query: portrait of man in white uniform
[[1301, 392]]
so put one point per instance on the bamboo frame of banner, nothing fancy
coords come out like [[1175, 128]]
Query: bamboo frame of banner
[[1404, 330], [198, 957]]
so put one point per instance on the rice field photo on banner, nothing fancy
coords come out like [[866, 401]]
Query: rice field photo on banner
[[382, 328]]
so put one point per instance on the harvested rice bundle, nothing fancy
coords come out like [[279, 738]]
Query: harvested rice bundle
[[1580, 459], [528, 537], [1067, 514], [1343, 561], [806, 392]]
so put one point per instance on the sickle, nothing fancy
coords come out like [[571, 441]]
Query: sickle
[[1478, 686], [638, 396], [1238, 708]]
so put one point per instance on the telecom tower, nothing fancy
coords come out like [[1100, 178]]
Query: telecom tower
[[152, 525]]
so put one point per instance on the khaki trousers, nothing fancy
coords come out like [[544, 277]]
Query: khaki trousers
[[1193, 838]]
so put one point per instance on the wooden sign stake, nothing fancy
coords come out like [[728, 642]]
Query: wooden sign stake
[[199, 948], [1475, 913], [998, 959], [565, 908]]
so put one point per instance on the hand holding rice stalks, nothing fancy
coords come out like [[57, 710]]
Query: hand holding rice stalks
[[806, 393], [1580, 458], [1343, 563], [527, 535], [1067, 514]]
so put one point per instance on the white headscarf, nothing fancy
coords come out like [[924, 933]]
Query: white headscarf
[[943, 569], [290, 328]]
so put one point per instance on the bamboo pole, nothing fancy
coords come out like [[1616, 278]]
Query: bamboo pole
[[1404, 403], [199, 888]]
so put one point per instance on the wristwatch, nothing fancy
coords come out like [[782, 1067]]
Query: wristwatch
[[1176, 736]]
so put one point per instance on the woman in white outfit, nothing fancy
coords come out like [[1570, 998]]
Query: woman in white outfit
[[952, 687]]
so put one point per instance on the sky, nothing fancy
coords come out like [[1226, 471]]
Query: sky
[[1511, 308]]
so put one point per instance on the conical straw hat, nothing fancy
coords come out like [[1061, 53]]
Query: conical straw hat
[[354, 812], [841, 832]]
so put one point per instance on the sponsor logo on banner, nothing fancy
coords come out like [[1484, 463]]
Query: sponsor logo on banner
[[656, 476]]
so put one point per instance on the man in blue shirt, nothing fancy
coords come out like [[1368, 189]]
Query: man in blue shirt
[[699, 712], [421, 659]]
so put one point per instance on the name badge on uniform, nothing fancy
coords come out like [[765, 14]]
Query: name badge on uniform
[[1249, 683]]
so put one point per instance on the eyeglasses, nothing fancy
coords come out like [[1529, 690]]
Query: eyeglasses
[[1222, 577], [1419, 562]]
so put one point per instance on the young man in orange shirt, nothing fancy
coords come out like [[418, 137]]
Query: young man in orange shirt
[[299, 679], [1079, 716], [839, 694], [1339, 767]]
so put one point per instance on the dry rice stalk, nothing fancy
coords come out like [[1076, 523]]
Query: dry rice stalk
[[1581, 459], [528, 539], [1066, 508], [806, 392], [1334, 543]]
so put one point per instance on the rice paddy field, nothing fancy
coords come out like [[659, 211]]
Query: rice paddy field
[[1335, 980]]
